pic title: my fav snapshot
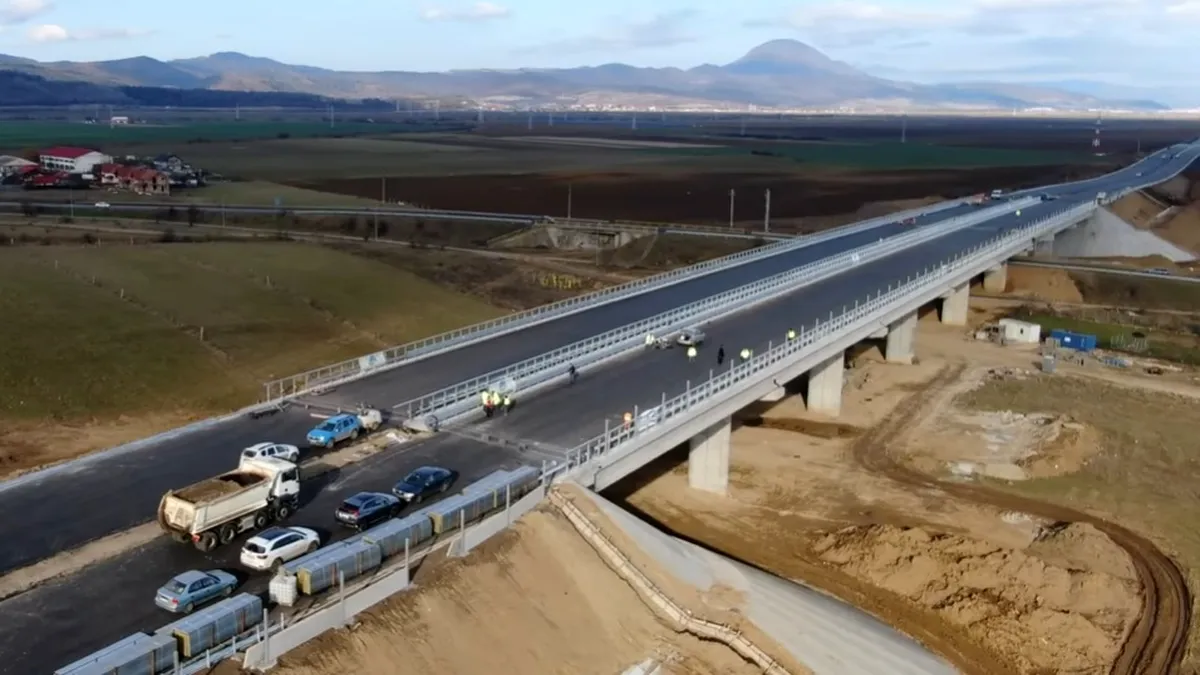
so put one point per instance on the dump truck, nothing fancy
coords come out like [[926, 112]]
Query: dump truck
[[216, 510]]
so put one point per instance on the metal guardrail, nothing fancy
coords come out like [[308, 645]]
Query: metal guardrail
[[370, 364], [631, 336], [686, 403]]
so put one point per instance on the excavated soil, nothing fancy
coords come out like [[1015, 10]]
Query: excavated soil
[[1040, 283], [534, 599]]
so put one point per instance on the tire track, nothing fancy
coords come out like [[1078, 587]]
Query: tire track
[[1158, 638]]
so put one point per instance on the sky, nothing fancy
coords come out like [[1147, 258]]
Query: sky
[[1141, 43]]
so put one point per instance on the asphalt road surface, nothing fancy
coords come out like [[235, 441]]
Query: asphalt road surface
[[67, 619], [110, 494], [72, 616]]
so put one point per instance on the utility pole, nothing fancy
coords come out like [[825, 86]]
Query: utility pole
[[383, 189], [570, 197], [767, 212], [732, 194]]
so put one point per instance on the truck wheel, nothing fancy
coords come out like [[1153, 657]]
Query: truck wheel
[[227, 533], [180, 538], [206, 542], [261, 519], [282, 511]]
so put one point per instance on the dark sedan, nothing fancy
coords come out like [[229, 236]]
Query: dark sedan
[[424, 482], [368, 508]]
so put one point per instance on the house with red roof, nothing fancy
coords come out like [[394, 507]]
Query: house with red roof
[[140, 179], [71, 160]]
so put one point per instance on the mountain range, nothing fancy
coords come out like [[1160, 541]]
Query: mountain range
[[779, 73]]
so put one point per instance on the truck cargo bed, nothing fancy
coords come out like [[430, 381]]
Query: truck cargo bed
[[220, 486]]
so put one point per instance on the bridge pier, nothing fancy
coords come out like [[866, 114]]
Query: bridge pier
[[955, 305], [1043, 246], [995, 280], [900, 340], [708, 459], [825, 386]]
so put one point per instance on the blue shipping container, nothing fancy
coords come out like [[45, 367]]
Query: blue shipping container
[[1081, 342], [215, 625], [390, 536], [138, 654]]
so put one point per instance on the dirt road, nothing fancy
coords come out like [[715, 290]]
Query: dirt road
[[1157, 641]]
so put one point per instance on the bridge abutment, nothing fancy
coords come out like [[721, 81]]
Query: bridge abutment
[[901, 338], [825, 386], [708, 458], [995, 280], [955, 306]]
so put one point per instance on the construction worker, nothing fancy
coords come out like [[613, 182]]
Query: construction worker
[[691, 353], [745, 354], [508, 404], [791, 334], [627, 420], [650, 339], [497, 400], [485, 397], [720, 355], [572, 373]]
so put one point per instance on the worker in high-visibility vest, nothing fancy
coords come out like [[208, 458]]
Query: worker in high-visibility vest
[[508, 404], [691, 353], [791, 334], [649, 339], [627, 419], [497, 400], [745, 354], [1018, 212], [485, 397]]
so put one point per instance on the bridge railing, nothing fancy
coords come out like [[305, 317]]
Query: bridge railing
[[692, 401], [352, 369], [522, 375]]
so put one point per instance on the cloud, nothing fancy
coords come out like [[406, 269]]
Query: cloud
[[667, 29], [480, 11], [49, 33], [20, 11]]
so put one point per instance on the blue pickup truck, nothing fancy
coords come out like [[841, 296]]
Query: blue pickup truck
[[344, 427]]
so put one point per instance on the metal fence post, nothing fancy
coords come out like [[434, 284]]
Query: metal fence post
[[508, 504], [407, 556], [607, 439], [342, 596]]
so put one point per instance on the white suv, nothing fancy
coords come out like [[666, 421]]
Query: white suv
[[278, 450], [272, 547]]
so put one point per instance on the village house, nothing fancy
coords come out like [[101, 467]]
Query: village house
[[140, 179], [71, 160]]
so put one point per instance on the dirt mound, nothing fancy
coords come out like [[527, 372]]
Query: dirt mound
[[1137, 209], [1182, 229], [1045, 617], [1042, 284], [513, 607], [1080, 547]]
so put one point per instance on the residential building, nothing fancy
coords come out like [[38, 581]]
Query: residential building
[[140, 179], [10, 165], [72, 160], [118, 120]]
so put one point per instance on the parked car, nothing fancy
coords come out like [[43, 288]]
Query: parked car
[[424, 482], [272, 547], [691, 337], [345, 427], [186, 591], [280, 450], [368, 508]]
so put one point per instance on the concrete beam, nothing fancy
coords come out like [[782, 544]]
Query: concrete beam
[[955, 305], [901, 338], [879, 334], [995, 280], [825, 385], [776, 394], [1043, 246], [708, 459]]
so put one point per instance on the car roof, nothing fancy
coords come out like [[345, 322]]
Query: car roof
[[190, 576], [259, 446], [271, 534], [420, 471], [362, 497], [338, 418]]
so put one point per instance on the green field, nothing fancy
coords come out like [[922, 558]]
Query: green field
[[16, 136], [1163, 345], [75, 349], [891, 156]]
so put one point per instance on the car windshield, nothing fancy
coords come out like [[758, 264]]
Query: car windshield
[[328, 426], [249, 453], [175, 586], [417, 477], [352, 508]]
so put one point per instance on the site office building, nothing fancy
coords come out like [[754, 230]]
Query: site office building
[[72, 160]]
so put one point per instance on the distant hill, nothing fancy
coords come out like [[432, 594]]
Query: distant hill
[[783, 73]]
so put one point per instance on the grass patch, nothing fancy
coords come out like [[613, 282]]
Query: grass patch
[[892, 156], [1144, 476], [15, 135], [1109, 289], [77, 350], [1160, 344]]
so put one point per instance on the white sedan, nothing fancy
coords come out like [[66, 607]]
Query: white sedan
[[278, 450], [272, 547]]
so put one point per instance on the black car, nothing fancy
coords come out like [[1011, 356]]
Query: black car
[[425, 481], [368, 508]]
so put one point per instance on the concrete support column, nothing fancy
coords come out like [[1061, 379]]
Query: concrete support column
[[955, 305], [825, 386], [1043, 246], [995, 280], [901, 337], [708, 459]]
